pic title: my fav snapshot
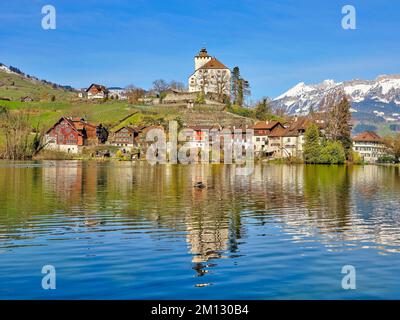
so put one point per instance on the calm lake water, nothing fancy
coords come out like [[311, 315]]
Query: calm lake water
[[135, 231]]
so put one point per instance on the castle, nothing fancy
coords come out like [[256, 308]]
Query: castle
[[210, 75]]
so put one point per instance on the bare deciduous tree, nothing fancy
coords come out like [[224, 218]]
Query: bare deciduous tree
[[177, 85], [134, 94], [221, 83], [201, 80], [16, 129], [160, 86]]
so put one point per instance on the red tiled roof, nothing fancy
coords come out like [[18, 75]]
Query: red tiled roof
[[277, 132], [214, 64], [203, 127], [297, 126], [77, 124], [267, 125], [131, 130], [367, 136], [99, 87]]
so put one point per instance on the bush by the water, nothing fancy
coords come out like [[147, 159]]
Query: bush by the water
[[326, 152], [332, 152], [17, 141], [386, 159], [356, 158]]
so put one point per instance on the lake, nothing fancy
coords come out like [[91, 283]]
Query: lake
[[135, 231]]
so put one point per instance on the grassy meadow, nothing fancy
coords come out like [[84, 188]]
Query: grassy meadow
[[14, 86]]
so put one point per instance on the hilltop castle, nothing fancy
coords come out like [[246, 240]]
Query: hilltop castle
[[210, 75]]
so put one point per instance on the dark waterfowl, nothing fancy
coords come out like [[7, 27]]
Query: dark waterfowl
[[199, 185]]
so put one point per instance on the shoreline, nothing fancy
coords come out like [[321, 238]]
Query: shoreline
[[273, 162]]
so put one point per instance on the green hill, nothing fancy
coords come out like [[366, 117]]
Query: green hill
[[52, 102], [115, 114], [14, 86]]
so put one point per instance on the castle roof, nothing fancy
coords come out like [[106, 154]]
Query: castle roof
[[203, 53], [213, 64]]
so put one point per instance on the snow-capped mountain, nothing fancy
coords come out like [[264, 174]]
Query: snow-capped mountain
[[379, 97]]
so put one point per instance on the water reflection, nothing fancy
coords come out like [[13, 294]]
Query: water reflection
[[343, 208]]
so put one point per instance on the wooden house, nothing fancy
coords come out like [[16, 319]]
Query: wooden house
[[96, 91], [70, 135], [126, 137]]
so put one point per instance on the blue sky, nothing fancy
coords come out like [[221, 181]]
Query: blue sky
[[275, 43]]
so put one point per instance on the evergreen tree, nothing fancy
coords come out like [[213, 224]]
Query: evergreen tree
[[243, 91], [263, 110], [240, 88], [235, 78], [240, 95], [312, 147]]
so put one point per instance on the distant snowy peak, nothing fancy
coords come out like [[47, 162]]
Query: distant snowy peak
[[302, 98], [296, 91]]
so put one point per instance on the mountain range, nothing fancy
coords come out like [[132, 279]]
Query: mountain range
[[372, 100]]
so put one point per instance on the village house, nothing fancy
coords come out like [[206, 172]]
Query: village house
[[126, 137], [369, 145], [82, 93], [274, 147], [141, 139], [70, 135], [273, 139], [267, 137], [96, 91], [117, 93], [294, 137], [210, 75], [238, 138], [200, 134]]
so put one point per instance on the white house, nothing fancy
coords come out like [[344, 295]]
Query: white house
[[96, 91], [369, 145], [117, 93], [267, 138], [210, 75]]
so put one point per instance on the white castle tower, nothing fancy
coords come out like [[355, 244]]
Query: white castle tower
[[210, 75], [201, 59]]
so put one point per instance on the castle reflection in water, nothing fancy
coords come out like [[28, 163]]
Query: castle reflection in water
[[358, 205]]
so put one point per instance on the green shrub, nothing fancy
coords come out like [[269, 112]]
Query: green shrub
[[332, 153], [356, 158], [386, 159]]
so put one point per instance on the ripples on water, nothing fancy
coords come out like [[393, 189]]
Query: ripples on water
[[131, 230]]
